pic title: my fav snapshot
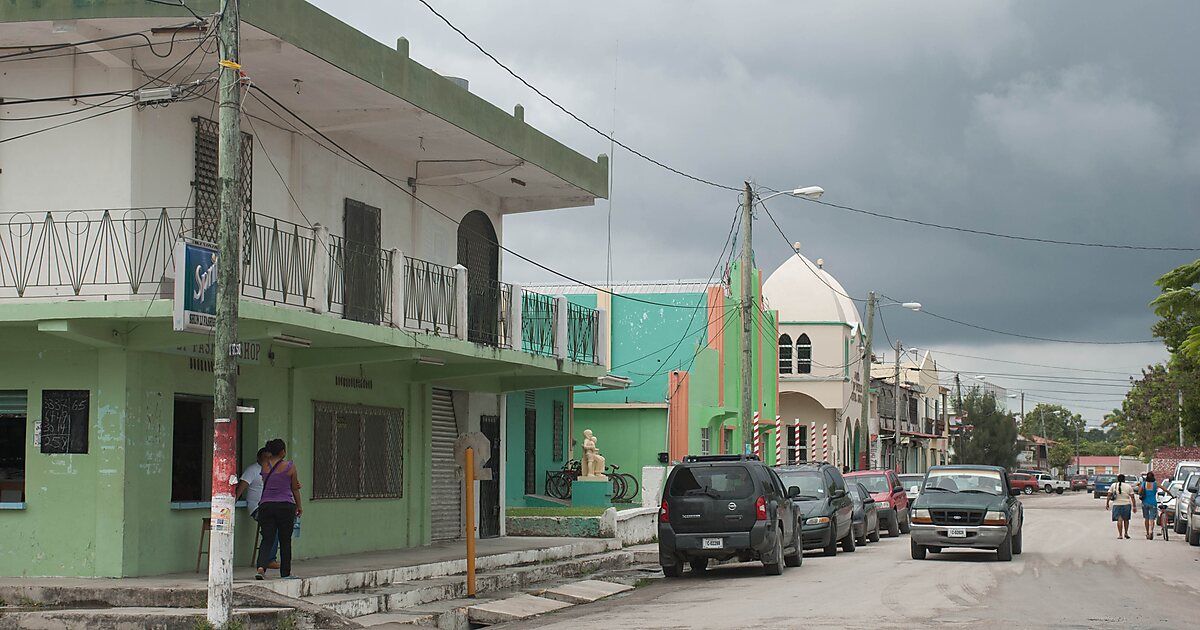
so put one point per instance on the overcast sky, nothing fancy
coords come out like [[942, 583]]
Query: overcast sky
[[1069, 120]]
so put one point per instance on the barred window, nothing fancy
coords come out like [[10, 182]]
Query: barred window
[[705, 441], [357, 451], [558, 431]]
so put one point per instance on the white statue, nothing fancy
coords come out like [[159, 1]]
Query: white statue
[[592, 466]]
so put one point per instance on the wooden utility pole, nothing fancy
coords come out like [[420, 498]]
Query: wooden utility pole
[[899, 462], [747, 295], [226, 348], [866, 381], [962, 419]]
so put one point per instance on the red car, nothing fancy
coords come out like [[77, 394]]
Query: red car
[[1025, 483], [889, 496], [1078, 482]]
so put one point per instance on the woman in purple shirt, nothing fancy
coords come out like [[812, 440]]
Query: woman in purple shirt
[[278, 508]]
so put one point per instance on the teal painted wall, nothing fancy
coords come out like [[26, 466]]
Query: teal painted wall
[[629, 438], [514, 441], [108, 512]]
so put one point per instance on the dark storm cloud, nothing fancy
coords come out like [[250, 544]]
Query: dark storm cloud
[[1073, 120]]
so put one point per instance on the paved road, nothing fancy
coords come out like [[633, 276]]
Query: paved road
[[1074, 574]]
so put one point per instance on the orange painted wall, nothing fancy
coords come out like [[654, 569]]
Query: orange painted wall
[[716, 335], [677, 427]]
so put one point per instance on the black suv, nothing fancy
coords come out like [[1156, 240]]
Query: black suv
[[826, 510], [722, 507]]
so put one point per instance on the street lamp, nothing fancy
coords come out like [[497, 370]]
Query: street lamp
[[747, 295], [866, 378]]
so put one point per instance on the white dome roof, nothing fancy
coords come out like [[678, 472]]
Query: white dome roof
[[796, 290]]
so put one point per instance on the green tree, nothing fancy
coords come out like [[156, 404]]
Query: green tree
[[1054, 422], [1149, 415], [1179, 308], [992, 436], [1106, 449], [1061, 455]]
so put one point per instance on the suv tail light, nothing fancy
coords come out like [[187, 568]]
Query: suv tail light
[[760, 509], [662, 513]]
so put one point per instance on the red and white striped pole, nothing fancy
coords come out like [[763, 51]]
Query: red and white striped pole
[[778, 442], [799, 443], [825, 442], [757, 438], [812, 441]]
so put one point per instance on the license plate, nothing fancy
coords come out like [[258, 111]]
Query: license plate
[[717, 543], [957, 532]]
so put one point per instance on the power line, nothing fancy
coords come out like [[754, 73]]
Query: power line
[[1033, 337], [802, 259], [1041, 365], [258, 90], [1013, 237], [568, 112]]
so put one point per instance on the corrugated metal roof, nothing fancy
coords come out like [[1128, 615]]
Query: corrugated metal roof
[[658, 286]]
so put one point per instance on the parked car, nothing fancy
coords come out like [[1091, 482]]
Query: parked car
[[912, 485], [866, 514], [1091, 483], [1050, 484], [1027, 484], [891, 498], [1102, 484], [967, 506], [1183, 505], [826, 510], [726, 506], [1170, 502], [1184, 469], [1079, 482]]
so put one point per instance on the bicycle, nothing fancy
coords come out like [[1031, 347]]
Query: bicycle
[[1162, 520], [625, 485], [558, 482]]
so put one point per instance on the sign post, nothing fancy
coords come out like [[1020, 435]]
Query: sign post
[[470, 481]]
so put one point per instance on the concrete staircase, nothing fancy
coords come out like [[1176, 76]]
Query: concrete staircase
[[509, 586]]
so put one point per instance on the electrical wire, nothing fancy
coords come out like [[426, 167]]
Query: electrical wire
[[1013, 237], [1034, 337], [568, 112], [1041, 365], [802, 259], [491, 240]]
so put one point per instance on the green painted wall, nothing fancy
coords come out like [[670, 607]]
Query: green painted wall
[[514, 441], [108, 512], [629, 438]]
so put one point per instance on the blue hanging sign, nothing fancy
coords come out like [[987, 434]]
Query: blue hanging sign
[[195, 288]]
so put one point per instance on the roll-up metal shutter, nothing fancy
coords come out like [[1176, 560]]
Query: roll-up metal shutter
[[446, 508], [13, 402]]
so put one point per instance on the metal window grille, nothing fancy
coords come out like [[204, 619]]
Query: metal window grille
[[362, 263], [705, 441], [558, 431], [358, 451], [206, 186], [785, 354], [803, 355], [538, 313], [65, 414], [583, 324]]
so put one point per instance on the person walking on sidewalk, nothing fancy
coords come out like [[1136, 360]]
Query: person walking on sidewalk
[[1120, 497], [252, 485], [1149, 493], [279, 507]]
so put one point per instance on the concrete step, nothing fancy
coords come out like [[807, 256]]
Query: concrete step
[[357, 580], [512, 609], [644, 554], [392, 619], [585, 591], [404, 596], [135, 617]]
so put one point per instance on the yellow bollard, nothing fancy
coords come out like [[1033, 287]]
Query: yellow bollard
[[470, 480]]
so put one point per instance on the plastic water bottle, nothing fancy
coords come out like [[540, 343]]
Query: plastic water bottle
[[296, 528]]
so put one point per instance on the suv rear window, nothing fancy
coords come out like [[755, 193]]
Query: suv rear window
[[729, 482]]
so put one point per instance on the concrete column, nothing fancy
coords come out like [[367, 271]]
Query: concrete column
[[601, 340], [320, 277], [397, 287], [515, 337], [560, 327], [460, 300]]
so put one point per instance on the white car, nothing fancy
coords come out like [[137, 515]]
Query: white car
[[912, 485], [1050, 484]]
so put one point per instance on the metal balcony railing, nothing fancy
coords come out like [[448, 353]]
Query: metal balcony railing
[[430, 297], [278, 259], [489, 310], [539, 316], [583, 328]]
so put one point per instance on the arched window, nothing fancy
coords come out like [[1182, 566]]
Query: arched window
[[785, 354], [479, 252], [803, 355]]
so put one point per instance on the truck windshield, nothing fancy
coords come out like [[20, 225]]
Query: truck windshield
[[811, 484], [960, 480]]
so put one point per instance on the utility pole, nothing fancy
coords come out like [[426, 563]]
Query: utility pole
[[1181, 417], [747, 313], [899, 349], [866, 381], [225, 348], [962, 418]]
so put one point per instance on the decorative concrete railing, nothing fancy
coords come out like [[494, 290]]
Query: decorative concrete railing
[[127, 253]]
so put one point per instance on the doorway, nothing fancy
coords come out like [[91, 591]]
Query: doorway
[[489, 491]]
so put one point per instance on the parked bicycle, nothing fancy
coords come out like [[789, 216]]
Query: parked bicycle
[[625, 486], [558, 482], [1162, 520]]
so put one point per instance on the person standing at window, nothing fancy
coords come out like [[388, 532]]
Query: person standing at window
[[252, 485], [279, 507]]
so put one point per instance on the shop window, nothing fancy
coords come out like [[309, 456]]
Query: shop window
[[13, 427], [65, 414], [191, 449], [357, 452]]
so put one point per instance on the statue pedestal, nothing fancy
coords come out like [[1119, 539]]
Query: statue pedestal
[[591, 493]]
